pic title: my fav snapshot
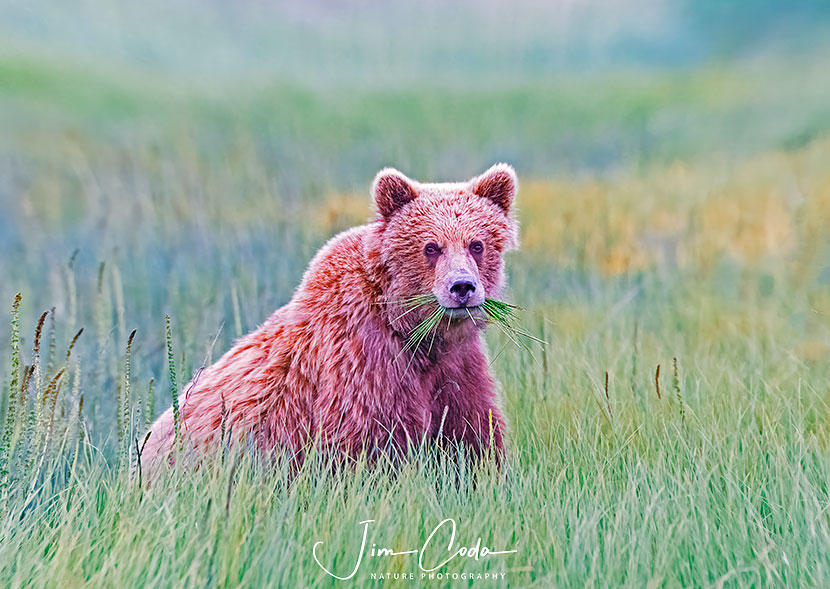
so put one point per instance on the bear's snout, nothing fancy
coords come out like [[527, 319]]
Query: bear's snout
[[462, 290]]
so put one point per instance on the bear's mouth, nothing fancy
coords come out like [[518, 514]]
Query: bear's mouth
[[469, 313], [435, 311]]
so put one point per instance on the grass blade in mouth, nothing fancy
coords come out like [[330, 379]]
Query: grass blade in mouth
[[410, 304], [502, 314], [425, 327], [421, 331], [498, 313], [414, 300]]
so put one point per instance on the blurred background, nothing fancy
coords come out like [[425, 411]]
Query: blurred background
[[326, 92], [189, 157]]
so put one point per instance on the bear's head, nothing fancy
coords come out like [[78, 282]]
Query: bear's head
[[446, 240]]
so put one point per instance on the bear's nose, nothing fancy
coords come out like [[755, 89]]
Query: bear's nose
[[461, 290]]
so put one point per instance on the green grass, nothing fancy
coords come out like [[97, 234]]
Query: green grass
[[602, 486], [497, 313]]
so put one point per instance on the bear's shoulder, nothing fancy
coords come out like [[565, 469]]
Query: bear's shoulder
[[339, 268]]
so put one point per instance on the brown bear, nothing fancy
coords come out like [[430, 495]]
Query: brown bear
[[335, 366]]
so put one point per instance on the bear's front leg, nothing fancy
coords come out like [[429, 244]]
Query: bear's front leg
[[469, 414]]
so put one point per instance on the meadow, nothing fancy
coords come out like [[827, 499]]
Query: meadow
[[672, 430]]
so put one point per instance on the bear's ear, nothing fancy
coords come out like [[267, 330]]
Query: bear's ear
[[499, 184], [392, 190]]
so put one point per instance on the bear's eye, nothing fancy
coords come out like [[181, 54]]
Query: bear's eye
[[431, 250], [476, 247]]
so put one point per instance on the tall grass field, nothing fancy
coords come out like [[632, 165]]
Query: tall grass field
[[167, 173]]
